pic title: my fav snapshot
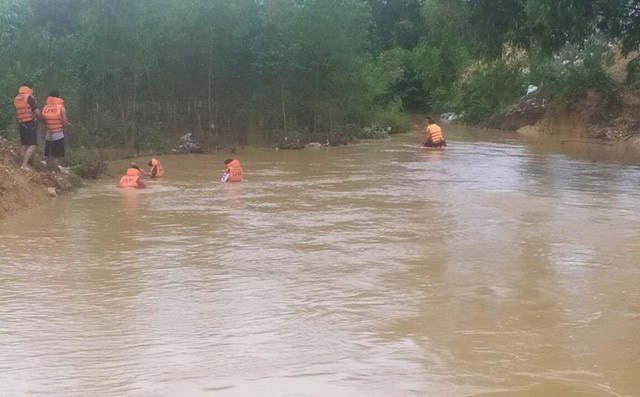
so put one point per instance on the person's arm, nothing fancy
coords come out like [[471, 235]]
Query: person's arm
[[63, 113], [33, 104], [427, 138]]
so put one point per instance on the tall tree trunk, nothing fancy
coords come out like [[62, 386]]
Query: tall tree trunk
[[315, 99], [96, 119], [134, 139], [174, 105], [284, 109], [209, 92], [123, 115]]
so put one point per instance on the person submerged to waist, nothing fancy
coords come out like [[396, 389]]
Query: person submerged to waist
[[435, 137], [234, 172]]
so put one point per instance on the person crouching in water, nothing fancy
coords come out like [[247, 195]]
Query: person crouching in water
[[234, 172], [133, 178], [435, 138], [55, 118], [155, 169]]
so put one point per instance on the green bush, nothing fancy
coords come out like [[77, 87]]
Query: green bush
[[562, 81], [154, 139], [439, 67], [486, 88], [373, 131], [75, 180], [83, 166], [394, 118]]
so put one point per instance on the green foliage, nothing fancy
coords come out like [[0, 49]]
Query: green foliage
[[83, 166], [394, 118], [217, 68], [483, 25], [486, 88], [140, 73], [565, 78], [487, 30], [75, 180], [397, 24], [439, 68], [620, 20], [373, 131]]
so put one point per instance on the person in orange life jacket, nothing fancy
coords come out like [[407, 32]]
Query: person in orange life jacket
[[55, 118], [435, 138], [27, 113], [234, 172], [155, 169], [133, 177]]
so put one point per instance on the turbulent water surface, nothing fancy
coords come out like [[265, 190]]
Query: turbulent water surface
[[496, 267]]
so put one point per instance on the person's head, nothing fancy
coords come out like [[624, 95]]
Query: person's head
[[28, 84], [430, 120], [54, 94], [134, 165], [227, 161]]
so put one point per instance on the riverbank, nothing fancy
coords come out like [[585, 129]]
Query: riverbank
[[607, 117], [600, 103], [24, 189]]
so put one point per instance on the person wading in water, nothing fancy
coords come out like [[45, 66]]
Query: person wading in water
[[435, 138]]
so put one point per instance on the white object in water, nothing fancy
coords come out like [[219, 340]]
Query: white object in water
[[531, 89], [225, 177]]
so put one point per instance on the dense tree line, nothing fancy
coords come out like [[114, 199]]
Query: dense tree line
[[140, 72], [478, 56]]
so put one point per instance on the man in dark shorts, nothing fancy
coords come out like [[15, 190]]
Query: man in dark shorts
[[27, 113], [55, 118]]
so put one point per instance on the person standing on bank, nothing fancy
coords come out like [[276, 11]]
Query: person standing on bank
[[27, 112], [55, 117]]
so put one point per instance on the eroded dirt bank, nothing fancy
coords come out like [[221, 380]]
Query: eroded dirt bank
[[22, 189]]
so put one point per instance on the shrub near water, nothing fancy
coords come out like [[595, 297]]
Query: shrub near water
[[563, 81], [486, 88], [85, 167], [394, 118]]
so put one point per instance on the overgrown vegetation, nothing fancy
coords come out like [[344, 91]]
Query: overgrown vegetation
[[84, 166], [564, 78], [502, 47], [140, 73]]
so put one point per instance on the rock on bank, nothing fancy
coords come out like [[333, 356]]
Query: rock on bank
[[24, 189]]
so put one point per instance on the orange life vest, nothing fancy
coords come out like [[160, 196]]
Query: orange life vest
[[132, 179], [156, 169], [21, 103], [435, 133], [52, 114], [235, 171]]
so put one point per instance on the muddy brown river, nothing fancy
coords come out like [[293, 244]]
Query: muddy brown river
[[498, 267]]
